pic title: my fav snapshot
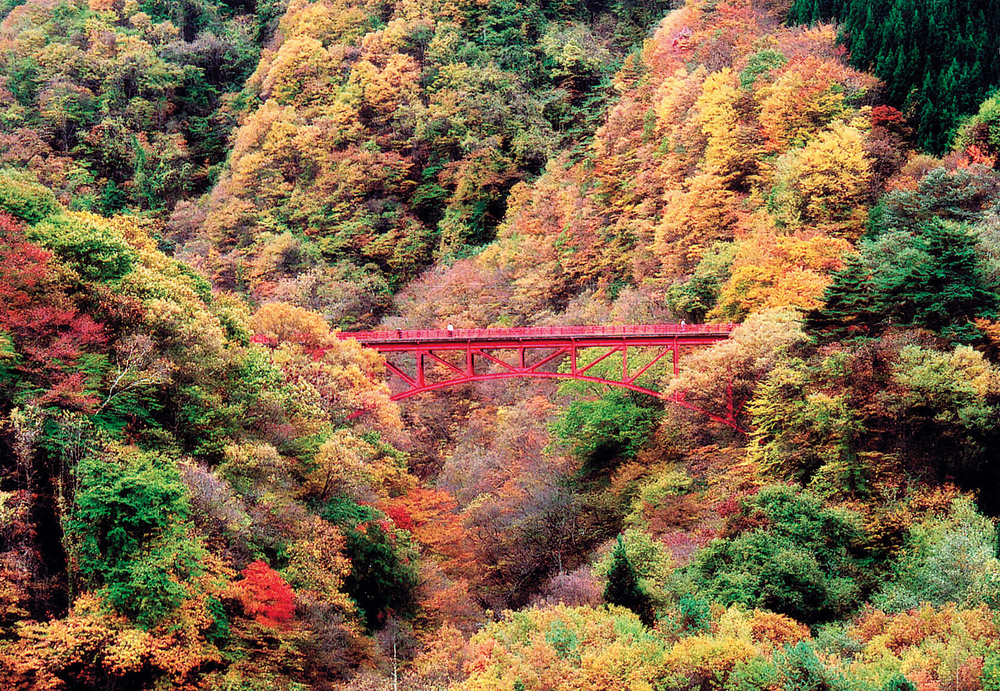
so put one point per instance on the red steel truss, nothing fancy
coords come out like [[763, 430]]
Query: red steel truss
[[484, 354]]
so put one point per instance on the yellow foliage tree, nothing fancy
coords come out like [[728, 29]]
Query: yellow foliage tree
[[329, 21], [802, 100], [98, 649], [300, 72], [565, 649], [699, 660], [692, 219], [326, 373], [287, 323], [826, 182], [772, 271], [347, 465], [317, 565], [384, 90], [676, 101], [720, 122]]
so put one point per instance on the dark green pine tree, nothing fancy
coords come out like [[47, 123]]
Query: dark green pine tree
[[382, 580], [938, 285], [949, 292], [898, 683], [939, 60], [868, 30], [899, 66], [847, 310], [624, 589], [926, 120], [805, 12]]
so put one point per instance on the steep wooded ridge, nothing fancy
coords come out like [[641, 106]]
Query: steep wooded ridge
[[938, 60], [202, 486], [384, 136]]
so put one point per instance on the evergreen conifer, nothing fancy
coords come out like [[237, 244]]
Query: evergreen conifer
[[623, 586]]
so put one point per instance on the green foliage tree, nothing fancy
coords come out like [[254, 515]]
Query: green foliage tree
[[965, 195], [623, 586], [898, 683], [651, 561], [611, 427], [694, 298], [694, 613], [618, 423], [961, 388], [25, 199], [167, 81], [951, 558], [786, 552], [930, 279], [383, 578], [755, 673], [804, 670], [85, 242], [760, 64], [128, 532], [979, 134], [991, 672]]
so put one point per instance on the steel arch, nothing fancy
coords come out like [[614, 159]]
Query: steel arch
[[552, 344]]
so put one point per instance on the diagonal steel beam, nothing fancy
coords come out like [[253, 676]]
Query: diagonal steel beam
[[479, 351], [399, 373], [546, 360], [652, 362], [446, 363], [581, 370]]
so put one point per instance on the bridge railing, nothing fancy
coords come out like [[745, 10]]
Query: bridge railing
[[537, 332]]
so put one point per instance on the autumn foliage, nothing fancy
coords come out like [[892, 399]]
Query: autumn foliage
[[205, 485], [265, 595]]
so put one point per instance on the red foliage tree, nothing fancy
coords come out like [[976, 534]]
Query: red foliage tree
[[42, 322], [400, 516], [887, 117], [266, 596], [432, 518]]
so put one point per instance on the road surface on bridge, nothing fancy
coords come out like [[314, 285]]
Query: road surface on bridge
[[401, 340]]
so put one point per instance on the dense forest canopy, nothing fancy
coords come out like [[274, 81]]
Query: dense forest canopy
[[938, 60], [202, 486]]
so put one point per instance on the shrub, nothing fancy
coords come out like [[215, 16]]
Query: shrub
[[25, 199]]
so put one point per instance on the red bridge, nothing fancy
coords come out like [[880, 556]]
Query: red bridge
[[460, 356]]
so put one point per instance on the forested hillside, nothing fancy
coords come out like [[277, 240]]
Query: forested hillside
[[202, 486], [124, 106], [938, 60], [378, 138]]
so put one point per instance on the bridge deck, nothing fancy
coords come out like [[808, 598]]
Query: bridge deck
[[539, 333]]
